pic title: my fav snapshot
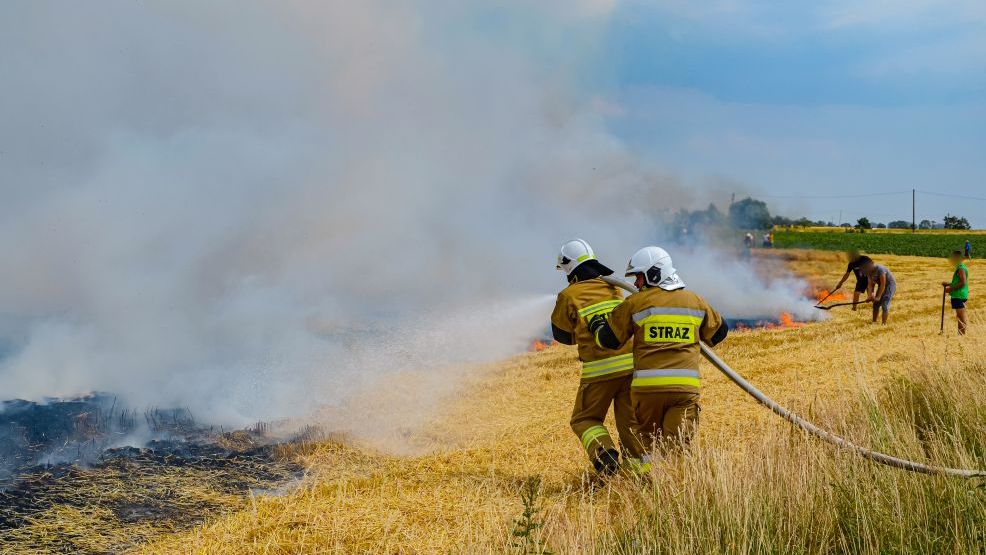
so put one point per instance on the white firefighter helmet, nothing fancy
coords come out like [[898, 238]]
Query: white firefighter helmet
[[574, 253], [655, 264]]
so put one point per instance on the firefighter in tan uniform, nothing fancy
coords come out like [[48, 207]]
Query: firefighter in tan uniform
[[606, 374], [666, 323]]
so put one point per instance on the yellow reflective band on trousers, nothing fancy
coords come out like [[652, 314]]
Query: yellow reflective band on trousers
[[611, 365], [666, 377], [604, 307], [591, 436]]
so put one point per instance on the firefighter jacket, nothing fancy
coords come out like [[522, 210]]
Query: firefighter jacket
[[665, 328], [576, 305]]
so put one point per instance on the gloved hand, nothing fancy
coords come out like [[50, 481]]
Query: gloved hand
[[597, 321]]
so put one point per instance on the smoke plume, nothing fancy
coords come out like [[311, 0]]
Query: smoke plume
[[254, 209]]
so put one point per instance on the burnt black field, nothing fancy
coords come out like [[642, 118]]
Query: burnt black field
[[81, 430], [136, 467]]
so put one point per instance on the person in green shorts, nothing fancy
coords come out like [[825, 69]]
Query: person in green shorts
[[959, 289]]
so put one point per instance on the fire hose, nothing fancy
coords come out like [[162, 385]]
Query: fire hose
[[807, 426]]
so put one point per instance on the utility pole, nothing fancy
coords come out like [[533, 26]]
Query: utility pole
[[839, 223], [914, 210]]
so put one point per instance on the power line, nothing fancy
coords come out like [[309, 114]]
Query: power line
[[861, 195], [864, 195], [950, 195]]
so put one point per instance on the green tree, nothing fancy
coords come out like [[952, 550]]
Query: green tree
[[864, 223], [955, 222], [687, 222], [750, 214], [925, 224], [899, 224]]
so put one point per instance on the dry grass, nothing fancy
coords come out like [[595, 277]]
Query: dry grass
[[749, 486]]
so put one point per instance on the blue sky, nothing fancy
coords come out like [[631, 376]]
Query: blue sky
[[794, 99]]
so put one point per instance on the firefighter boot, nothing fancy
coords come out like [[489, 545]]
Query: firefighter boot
[[607, 462]]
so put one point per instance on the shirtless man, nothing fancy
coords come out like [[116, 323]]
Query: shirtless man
[[881, 289]]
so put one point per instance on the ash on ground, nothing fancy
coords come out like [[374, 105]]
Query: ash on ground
[[70, 457]]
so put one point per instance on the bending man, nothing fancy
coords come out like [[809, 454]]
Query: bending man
[[881, 289], [666, 322], [855, 267]]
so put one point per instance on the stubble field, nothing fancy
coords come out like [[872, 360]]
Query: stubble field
[[750, 485]]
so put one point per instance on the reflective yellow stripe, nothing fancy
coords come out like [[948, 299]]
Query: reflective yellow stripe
[[596, 368], [593, 434], [606, 362], [601, 307], [584, 257], [665, 382], [666, 378], [604, 307], [668, 311], [662, 319]]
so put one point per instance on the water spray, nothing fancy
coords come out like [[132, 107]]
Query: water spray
[[807, 426]]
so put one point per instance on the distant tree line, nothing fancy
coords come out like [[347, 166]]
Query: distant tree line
[[955, 222], [752, 214]]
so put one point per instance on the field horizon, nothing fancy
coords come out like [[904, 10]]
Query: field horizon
[[927, 243]]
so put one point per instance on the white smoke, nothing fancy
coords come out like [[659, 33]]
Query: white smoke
[[745, 289], [253, 209]]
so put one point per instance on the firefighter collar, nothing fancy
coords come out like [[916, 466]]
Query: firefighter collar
[[671, 283]]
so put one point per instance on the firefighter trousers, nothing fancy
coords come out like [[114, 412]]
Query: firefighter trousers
[[665, 420], [592, 402]]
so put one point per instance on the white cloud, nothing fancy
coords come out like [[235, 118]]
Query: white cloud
[[795, 20], [901, 13], [594, 7], [960, 56]]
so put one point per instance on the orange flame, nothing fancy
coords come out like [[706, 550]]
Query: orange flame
[[786, 321], [538, 345], [820, 294]]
